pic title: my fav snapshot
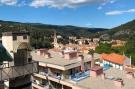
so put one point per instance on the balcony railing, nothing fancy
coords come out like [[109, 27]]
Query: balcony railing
[[50, 75], [79, 76], [16, 71]]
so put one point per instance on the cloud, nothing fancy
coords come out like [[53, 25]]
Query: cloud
[[21, 3], [88, 24], [8, 2], [105, 3], [112, 1], [100, 7], [118, 12], [63, 3]]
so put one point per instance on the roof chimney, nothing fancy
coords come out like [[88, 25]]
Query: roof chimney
[[47, 55], [70, 55], [81, 59]]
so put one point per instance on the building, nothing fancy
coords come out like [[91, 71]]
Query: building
[[68, 69], [55, 41], [115, 60], [17, 65], [118, 43], [61, 71]]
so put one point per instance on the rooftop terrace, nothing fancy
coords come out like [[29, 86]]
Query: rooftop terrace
[[99, 83], [57, 60]]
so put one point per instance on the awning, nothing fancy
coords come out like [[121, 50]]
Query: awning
[[4, 55]]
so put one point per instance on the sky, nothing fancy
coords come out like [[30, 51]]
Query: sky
[[83, 13]]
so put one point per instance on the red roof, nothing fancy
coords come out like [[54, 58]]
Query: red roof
[[113, 57]]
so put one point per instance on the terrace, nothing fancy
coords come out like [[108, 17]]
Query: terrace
[[40, 84], [48, 72], [57, 74], [58, 62], [111, 75], [79, 76]]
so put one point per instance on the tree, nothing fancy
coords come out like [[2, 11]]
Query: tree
[[91, 52], [130, 48], [103, 48]]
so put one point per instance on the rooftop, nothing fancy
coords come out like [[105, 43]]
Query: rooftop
[[15, 33], [99, 83], [56, 59], [115, 58]]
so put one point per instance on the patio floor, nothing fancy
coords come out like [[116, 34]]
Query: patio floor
[[99, 83], [79, 76]]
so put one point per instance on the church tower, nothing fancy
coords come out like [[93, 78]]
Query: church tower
[[55, 42]]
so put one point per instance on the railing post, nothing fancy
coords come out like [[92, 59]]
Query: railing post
[[1, 74], [23, 70], [12, 71]]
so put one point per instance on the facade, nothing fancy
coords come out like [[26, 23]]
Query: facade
[[64, 70], [16, 74], [118, 43], [61, 70]]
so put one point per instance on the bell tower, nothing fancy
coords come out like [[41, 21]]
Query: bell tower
[[55, 41]]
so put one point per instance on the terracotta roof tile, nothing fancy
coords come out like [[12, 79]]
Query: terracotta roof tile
[[113, 57]]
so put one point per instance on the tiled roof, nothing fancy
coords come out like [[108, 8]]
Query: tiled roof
[[113, 57]]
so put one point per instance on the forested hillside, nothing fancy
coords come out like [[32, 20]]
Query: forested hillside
[[123, 31], [41, 34]]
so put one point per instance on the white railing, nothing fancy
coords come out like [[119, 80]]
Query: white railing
[[16, 71]]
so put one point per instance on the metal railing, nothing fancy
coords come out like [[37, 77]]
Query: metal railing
[[16, 71]]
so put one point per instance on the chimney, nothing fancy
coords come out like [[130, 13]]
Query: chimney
[[81, 59], [70, 55], [47, 55], [61, 54], [90, 57]]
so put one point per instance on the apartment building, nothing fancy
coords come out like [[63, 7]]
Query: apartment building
[[72, 70], [60, 70]]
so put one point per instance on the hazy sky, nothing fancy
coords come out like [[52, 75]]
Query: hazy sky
[[86, 13]]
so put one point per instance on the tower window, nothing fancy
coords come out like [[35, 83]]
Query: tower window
[[14, 37], [25, 37]]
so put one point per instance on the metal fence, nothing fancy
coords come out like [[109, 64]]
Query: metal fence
[[16, 71]]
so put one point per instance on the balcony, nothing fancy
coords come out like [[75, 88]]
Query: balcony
[[79, 76], [38, 84], [42, 85], [56, 76], [16, 71]]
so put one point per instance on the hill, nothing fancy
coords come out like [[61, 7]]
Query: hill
[[66, 30], [41, 34], [123, 31]]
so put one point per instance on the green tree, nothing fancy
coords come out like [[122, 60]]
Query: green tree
[[103, 48], [91, 52], [130, 48]]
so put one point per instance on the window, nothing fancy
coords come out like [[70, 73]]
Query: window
[[14, 37], [25, 37]]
